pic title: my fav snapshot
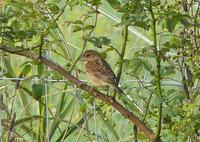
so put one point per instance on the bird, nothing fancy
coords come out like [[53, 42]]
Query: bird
[[99, 71]]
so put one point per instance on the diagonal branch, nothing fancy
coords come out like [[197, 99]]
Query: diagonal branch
[[108, 99]]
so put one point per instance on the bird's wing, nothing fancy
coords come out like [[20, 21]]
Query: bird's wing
[[105, 72]]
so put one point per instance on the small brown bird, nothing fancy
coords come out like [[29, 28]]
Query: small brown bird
[[100, 71]]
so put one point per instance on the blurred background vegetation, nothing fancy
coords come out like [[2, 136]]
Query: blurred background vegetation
[[38, 104]]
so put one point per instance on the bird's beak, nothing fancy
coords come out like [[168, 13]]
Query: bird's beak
[[82, 58]]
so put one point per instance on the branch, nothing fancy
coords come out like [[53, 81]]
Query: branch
[[158, 69], [125, 34], [108, 99]]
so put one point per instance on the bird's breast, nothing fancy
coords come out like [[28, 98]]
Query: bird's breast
[[92, 72]]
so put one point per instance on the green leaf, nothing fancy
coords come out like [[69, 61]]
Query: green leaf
[[168, 70], [67, 22], [135, 64], [52, 25], [30, 33], [26, 69], [99, 41], [38, 90], [21, 35], [73, 3], [83, 108], [170, 92], [157, 100], [170, 111], [61, 112], [27, 119], [9, 69], [108, 123], [147, 65], [56, 75], [36, 38], [76, 28], [24, 63], [16, 25], [142, 24], [28, 92], [87, 27], [114, 4], [9, 35], [91, 100], [25, 103], [40, 69], [104, 40], [126, 20], [65, 133], [170, 24], [28, 130], [78, 22], [54, 8]]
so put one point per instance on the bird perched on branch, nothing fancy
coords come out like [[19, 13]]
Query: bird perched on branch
[[100, 71]]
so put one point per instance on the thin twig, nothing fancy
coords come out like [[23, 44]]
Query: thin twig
[[85, 41], [158, 74], [125, 34]]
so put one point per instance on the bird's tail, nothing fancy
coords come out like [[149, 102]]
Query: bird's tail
[[118, 90]]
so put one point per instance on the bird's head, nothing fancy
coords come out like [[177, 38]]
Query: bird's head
[[90, 55]]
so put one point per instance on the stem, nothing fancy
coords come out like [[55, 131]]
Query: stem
[[195, 28], [58, 30], [125, 34], [158, 75], [85, 42]]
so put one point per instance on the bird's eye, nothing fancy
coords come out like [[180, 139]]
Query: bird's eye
[[87, 55]]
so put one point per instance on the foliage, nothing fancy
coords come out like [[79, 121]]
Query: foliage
[[161, 80]]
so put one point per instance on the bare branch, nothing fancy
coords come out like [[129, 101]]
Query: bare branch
[[108, 99]]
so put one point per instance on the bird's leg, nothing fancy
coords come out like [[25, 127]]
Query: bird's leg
[[105, 88]]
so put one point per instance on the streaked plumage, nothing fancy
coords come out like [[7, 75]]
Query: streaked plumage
[[100, 71]]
